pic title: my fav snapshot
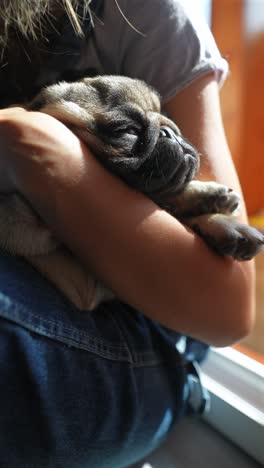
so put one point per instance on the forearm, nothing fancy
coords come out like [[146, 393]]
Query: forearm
[[153, 263]]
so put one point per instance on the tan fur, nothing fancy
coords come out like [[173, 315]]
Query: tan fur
[[79, 286]]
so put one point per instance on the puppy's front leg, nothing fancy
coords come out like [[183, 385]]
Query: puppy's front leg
[[198, 198], [67, 273], [226, 236]]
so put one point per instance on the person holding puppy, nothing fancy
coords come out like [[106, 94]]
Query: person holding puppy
[[92, 389]]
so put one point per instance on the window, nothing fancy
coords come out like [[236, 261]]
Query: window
[[236, 386]]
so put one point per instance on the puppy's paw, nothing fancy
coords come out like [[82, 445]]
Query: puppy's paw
[[222, 199], [228, 237], [200, 198]]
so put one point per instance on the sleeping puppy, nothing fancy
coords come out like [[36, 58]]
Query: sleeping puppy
[[120, 120]]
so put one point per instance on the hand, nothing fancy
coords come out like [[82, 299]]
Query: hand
[[28, 139]]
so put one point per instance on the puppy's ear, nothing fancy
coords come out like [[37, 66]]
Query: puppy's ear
[[67, 102]]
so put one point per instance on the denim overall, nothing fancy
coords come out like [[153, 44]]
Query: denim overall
[[85, 390]]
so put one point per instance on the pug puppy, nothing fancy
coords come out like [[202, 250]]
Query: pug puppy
[[120, 121]]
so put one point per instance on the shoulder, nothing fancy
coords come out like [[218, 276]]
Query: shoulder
[[167, 44], [159, 41]]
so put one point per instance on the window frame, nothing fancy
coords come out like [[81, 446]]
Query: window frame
[[236, 385]]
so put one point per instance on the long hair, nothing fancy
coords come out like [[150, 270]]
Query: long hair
[[27, 16]]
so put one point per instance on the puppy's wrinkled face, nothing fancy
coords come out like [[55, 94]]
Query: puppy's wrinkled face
[[120, 121]]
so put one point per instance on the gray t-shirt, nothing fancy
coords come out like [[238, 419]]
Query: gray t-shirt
[[174, 46]]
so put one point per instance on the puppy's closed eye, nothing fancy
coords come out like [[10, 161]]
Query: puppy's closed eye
[[115, 128], [126, 129]]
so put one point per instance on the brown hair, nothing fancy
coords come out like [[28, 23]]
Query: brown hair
[[26, 16]]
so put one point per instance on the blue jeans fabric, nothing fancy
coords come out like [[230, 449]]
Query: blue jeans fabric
[[96, 389]]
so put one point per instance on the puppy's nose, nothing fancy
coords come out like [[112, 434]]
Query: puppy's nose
[[167, 132]]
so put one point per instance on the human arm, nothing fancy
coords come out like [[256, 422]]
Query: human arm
[[198, 113], [141, 252]]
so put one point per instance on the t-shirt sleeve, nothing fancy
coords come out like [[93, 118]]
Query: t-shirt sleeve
[[167, 45]]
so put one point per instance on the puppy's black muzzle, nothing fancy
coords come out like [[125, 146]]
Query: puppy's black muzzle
[[172, 164]]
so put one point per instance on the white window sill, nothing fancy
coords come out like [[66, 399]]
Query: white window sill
[[236, 385]]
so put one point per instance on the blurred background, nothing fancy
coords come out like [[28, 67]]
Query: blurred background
[[238, 27]]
